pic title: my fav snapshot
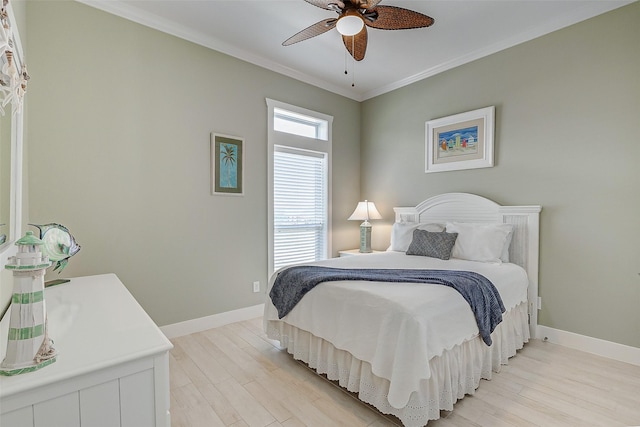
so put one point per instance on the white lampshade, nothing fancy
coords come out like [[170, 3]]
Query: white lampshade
[[349, 25], [365, 211]]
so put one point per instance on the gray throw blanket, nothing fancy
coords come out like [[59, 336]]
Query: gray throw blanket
[[293, 283]]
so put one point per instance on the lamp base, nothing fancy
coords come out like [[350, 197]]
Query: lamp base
[[365, 238]]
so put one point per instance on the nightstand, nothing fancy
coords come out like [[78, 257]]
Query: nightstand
[[351, 252]]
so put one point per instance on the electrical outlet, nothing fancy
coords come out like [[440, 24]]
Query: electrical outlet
[[539, 303], [256, 286]]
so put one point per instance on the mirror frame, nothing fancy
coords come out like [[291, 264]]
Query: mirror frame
[[17, 122]]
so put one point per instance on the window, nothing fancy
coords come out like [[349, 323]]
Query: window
[[299, 206], [299, 124], [299, 185]]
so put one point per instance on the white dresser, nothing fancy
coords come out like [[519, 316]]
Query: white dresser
[[112, 367]]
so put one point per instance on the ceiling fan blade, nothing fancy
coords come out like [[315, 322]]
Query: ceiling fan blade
[[327, 4], [356, 45], [367, 4], [395, 18], [312, 31]]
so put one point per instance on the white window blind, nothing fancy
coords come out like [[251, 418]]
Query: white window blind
[[299, 206]]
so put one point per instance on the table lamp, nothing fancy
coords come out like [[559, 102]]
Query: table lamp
[[365, 211]]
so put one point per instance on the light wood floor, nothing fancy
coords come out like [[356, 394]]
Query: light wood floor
[[235, 376]]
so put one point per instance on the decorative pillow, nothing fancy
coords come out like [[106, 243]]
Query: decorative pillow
[[434, 245], [402, 233], [505, 251], [480, 242]]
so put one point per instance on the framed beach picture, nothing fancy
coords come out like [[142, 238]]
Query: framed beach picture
[[227, 165], [461, 141]]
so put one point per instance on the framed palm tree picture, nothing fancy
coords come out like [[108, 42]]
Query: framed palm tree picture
[[227, 165]]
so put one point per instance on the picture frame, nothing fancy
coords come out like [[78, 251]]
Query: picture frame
[[462, 141], [227, 165]]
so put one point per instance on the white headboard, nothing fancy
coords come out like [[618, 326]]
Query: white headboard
[[464, 207]]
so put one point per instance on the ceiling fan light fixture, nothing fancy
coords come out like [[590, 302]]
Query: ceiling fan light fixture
[[349, 25], [354, 16]]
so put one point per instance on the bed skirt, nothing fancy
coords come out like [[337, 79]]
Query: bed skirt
[[455, 373]]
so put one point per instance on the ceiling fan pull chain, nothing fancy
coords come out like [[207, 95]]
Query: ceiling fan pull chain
[[353, 61], [345, 62]]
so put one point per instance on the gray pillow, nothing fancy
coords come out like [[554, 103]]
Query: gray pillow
[[435, 245]]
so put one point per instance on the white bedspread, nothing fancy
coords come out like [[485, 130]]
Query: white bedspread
[[397, 327]]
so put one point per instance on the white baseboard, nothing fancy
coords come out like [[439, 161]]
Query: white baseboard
[[187, 327], [612, 350]]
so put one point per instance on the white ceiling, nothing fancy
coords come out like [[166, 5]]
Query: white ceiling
[[253, 30]]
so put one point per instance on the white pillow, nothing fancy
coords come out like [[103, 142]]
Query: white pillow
[[402, 234], [505, 252], [480, 242], [432, 227]]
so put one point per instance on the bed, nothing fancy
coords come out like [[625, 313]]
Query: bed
[[414, 349]]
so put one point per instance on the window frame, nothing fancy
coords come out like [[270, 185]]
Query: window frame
[[299, 143]]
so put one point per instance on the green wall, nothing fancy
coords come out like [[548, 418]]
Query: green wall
[[119, 123], [119, 118], [567, 138]]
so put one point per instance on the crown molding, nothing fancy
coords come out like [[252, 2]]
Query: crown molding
[[126, 11], [141, 17], [578, 14]]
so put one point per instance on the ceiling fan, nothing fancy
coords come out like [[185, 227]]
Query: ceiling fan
[[354, 17]]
